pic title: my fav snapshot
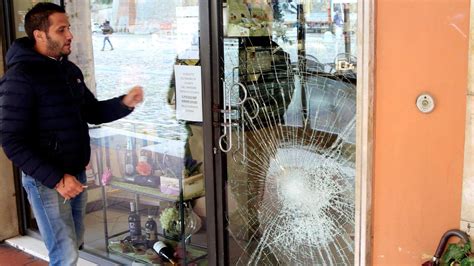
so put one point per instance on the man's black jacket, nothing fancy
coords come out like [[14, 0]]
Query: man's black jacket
[[44, 110]]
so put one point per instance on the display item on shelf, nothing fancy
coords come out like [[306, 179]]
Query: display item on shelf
[[130, 158], [144, 166], [169, 158], [165, 252], [125, 245], [192, 186], [149, 181], [106, 176], [171, 223], [151, 234], [134, 224], [130, 165]]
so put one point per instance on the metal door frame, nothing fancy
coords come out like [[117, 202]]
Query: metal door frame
[[211, 50]]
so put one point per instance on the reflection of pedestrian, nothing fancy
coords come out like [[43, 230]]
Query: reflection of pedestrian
[[44, 110], [107, 30], [338, 23]]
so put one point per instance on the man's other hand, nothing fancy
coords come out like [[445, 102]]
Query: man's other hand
[[69, 187], [133, 97]]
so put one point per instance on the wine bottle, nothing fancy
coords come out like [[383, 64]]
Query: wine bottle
[[150, 231], [134, 224], [165, 252], [130, 158]]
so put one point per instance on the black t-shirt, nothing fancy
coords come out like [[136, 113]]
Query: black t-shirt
[[107, 29]]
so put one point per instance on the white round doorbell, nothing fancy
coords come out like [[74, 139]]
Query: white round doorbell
[[425, 103]]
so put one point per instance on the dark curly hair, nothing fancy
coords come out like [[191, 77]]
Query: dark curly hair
[[37, 18]]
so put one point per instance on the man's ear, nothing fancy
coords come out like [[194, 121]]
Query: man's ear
[[40, 36]]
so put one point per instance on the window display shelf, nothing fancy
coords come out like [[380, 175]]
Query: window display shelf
[[147, 171], [117, 243], [120, 195], [120, 242], [153, 192], [142, 254]]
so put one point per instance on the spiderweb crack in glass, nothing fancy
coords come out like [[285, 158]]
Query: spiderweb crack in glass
[[292, 174], [309, 203]]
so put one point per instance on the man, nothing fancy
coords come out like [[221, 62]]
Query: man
[[107, 31], [44, 110], [338, 23]]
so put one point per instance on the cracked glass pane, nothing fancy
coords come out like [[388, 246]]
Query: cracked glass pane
[[290, 91]]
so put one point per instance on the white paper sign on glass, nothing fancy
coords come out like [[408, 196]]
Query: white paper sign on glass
[[188, 93]]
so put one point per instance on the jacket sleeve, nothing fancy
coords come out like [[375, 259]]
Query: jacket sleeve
[[98, 112], [17, 103]]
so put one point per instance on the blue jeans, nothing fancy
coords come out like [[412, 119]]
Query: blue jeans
[[61, 224], [106, 39]]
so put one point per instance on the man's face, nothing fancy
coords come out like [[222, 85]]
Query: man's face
[[58, 36]]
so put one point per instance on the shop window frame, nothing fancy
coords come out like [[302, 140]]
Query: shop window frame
[[211, 49]]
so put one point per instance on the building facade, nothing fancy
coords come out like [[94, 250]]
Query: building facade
[[266, 121]]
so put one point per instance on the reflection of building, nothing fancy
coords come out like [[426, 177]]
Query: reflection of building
[[124, 15], [146, 16], [137, 16]]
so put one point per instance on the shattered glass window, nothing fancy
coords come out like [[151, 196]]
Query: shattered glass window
[[290, 120]]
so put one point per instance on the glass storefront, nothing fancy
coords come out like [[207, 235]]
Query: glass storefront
[[289, 78], [148, 165], [144, 160]]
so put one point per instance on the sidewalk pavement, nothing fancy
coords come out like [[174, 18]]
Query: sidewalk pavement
[[11, 256]]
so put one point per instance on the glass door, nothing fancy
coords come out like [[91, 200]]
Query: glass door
[[289, 123]]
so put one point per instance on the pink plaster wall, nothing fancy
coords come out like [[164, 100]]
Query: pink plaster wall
[[420, 46]]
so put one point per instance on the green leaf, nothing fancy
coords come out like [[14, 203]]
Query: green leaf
[[455, 253], [469, 261]]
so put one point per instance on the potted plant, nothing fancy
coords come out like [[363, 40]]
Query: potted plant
[[169, 221], [171, 224], [456, 254]]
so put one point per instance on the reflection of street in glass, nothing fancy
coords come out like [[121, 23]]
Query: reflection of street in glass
[[149, 59], [135, 60], [324, 46]]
